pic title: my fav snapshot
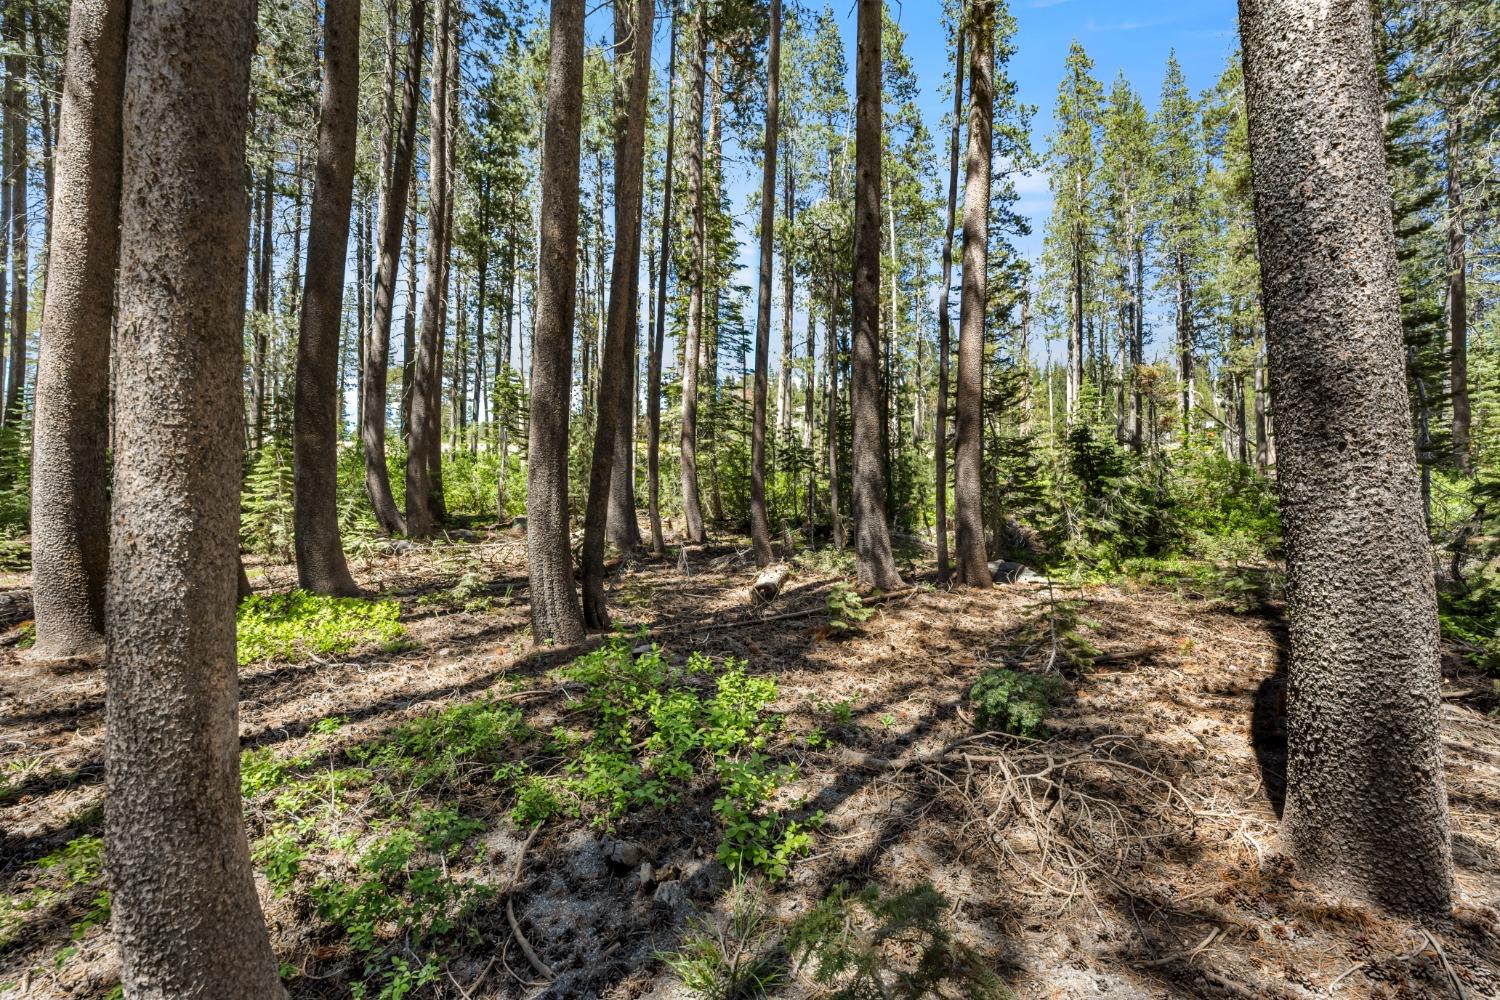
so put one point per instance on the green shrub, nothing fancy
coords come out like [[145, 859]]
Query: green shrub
[[1013, 702]]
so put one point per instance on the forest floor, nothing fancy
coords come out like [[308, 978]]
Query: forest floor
[[1131, 853]]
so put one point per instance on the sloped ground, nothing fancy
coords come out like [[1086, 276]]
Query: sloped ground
[[1130, 854]]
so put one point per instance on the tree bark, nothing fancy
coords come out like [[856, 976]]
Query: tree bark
[[831, 354], [874, 564], [633, 46], [17, 177], [1366, 809], [183, 901], [321, 566], [760, 539], [940, 438], [968, 489], [658, 337], [555, 613], [69, 506], [378, 351], [692, 509], [424, 452], [1458, 295]]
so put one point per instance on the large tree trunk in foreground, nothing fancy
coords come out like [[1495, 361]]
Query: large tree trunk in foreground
[[69, 509], [968, 487], [760, 537], [424, 454], [1366, 811], [658, 337], [872, 540], [945, 321], [378, 350], [616, 384], [692, 508], [321, 566], [555, 613], [183, 902]]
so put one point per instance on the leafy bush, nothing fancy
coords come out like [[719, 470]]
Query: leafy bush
[[1013, 702], [299, 623]]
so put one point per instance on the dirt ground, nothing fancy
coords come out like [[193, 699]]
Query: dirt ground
[[1131, 854]]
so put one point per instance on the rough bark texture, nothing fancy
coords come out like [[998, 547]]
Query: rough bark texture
[[184, 907], [658, 337], [872, 541], [424, 452], [968, 489], [1366, 811], [1458, 296], [945, 322], [69, 508], [760, 534], [378, 350], [632, 45], [692, 509], [555, 613], [321, 566]]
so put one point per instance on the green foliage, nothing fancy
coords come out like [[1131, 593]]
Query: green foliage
[[654, 731], [266, 501], [15, 475], [871, 945], [729, 956], [846, 608], [299, 624], [1013, 702], [443, 747]]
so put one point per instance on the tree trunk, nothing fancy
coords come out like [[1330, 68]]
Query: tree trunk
[[183, 902], [1458, 296], [555, 613], [692, 509], [968, 489], [321, 567], [44, 87], [261, 337], [16, 174], [378, 351], [945, 322], [69, 507], [423, 506], [409, 323], [872, 541], [788, 296], [658, 337], [1366, 810], [632, 46], [760, 538], [831, 351], [621, 527]]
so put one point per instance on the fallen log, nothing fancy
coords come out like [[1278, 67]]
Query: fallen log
[[769, 583]]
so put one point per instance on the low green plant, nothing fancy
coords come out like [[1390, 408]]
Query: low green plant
[[846, 608], [1013, 702], [729, 956], [870, 945], [300, 623]]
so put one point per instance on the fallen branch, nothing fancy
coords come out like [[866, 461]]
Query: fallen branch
[[515, 927], [768, 583]]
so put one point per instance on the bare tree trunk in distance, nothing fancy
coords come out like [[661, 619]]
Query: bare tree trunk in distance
[[658, 337], [555, 613], [69, 508], [1366, 810], [184, 907], [616, 387], [16, 176], [760, 538], [872, 541], [1458, 294], [945, 321], [321, 566], [831, 353], [968, 488], [378, 350], [692, 509], [423, 508]]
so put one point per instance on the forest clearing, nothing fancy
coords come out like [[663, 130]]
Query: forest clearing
[[1126, 848]]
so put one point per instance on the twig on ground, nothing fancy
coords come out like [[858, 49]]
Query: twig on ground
[[541, 967]]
